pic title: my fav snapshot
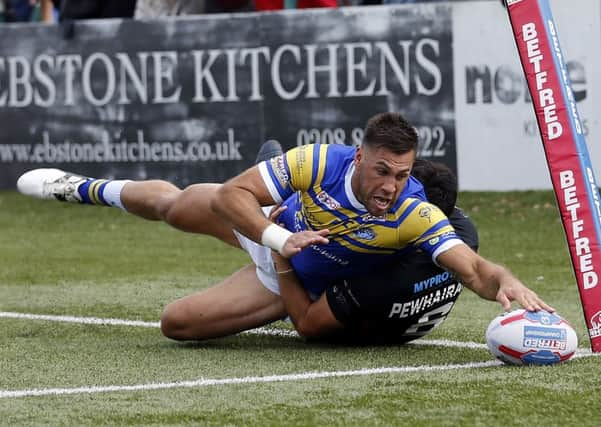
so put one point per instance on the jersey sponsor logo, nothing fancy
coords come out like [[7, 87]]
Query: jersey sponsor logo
[[328, 201], [279, 169], [369, 217], [426, 212], [365, 234], [430, 282], [442, 237], [416, 306], [301, 154], [301, 158], [320, 250], [545, 338]]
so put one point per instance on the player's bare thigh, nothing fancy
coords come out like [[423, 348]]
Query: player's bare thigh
[[238, 303], [188, 210]]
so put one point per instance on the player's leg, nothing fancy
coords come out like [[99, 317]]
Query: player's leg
[[238, 303], [187, 209]]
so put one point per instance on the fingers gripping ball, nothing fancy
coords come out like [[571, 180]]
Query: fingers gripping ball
[[525, 337]]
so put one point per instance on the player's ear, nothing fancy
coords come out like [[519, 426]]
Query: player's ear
[[358, 155]]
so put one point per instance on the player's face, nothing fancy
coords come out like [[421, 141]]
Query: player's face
[[380, 177]]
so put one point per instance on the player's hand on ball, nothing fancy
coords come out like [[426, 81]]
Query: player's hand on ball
[[514, 290], [299, 241]]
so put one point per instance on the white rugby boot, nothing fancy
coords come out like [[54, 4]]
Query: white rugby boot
[[51, 184]]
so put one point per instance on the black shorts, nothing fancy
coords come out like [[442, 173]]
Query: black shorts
[[401, 302]]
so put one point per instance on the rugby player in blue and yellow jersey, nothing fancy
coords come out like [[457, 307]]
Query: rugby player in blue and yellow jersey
[[315, 184], [349, 210]]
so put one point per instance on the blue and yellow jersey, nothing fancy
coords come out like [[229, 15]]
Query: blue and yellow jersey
[[314, 182]]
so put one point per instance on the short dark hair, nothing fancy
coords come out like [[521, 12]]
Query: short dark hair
[[391, 131], [440, 183]]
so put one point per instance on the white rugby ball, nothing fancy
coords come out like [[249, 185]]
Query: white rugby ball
[[523, 337]]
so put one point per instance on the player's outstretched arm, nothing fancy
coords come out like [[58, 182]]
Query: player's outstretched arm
[[489, 280]]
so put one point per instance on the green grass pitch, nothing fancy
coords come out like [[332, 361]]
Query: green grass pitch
[[60, 259]]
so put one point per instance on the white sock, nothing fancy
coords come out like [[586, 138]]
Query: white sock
[[112, 193]]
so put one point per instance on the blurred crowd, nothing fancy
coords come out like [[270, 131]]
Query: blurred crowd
[[60, 10]]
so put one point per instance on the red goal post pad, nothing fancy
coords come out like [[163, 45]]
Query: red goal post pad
[[565, 148]]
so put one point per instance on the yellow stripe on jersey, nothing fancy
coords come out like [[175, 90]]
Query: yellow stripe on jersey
[[366, 250], [300, 165], [385, 238], [435, 235], [321, 166], [423, 217], [318, 217], [401, 210]]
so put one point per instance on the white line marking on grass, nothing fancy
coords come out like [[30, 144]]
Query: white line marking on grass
[[585, 352], [124, 322], [80, 320], [273, 331], [449, 343], [251, 380], [242, 380]]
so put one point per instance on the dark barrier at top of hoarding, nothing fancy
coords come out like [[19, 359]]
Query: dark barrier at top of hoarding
[[191, 99]]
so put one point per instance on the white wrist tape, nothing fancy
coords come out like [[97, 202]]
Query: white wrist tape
[[275, 237]]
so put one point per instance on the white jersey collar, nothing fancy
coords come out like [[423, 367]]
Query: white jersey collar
[[348, 189]]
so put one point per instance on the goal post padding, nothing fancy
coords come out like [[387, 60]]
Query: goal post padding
[[565, 149]]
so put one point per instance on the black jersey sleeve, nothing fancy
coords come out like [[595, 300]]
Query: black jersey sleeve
[[464, 228], [409, 297]]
